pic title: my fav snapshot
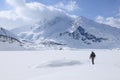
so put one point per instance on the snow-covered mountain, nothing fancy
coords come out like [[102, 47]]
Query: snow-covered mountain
[[74, 32], [21, 29], [9, 41]]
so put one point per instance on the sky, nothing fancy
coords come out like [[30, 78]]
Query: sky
[[15, 12], [89, 8]]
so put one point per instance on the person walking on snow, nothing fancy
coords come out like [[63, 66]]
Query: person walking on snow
[[92, 57]]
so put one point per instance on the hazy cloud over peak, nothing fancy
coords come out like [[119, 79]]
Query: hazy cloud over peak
[[27, 13]]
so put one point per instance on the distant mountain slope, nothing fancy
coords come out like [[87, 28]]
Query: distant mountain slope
[[81, 34], [9, 41], [75, 32]]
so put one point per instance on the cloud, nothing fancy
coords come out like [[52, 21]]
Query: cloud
[[112, 21], [38, 12], [24, 13], [9, 20], [70, 6], [100, 19], [8, 15]]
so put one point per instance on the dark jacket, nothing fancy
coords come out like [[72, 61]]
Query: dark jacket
[[92, 55]]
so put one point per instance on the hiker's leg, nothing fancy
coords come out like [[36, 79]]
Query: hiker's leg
[[92, 60]]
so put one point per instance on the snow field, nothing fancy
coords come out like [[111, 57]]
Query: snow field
[[59, 65]]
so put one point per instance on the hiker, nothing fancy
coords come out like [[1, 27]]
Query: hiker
[[92, 57]]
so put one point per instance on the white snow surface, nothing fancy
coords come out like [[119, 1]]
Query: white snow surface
[[7, 46], [59, 65]]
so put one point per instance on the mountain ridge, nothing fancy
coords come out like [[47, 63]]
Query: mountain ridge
[[68, 30]]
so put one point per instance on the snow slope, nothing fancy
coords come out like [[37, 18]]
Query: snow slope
[[21, 29], [46, 29], [9, 41], [59, 65], [7, 46], [7, 33]]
